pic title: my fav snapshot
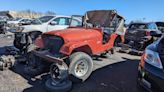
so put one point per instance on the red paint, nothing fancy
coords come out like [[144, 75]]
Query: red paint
[[87, 40]]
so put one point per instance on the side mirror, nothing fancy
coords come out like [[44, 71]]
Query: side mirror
[[156, 33], [53, 23]]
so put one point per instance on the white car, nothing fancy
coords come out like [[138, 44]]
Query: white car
[[39, 26], [18, 21], [47, 23]]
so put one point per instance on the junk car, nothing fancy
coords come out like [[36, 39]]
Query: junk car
[[70, 51], [3, 23], [151, 67], [160, 26], [137, 36]]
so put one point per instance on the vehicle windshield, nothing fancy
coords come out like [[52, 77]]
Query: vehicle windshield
[[36, 21], [3, 18], [76, 21], [45, 19], [16, 19], [138, 26], [160, 26]]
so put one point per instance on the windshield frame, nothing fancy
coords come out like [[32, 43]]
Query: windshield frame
[[78, 18], [139, 24]]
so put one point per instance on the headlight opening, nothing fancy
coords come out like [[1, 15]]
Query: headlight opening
[[152, 58]]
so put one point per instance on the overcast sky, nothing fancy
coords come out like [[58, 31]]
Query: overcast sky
[[149, 10]]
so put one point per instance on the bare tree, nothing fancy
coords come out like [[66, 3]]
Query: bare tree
[[50, 13]]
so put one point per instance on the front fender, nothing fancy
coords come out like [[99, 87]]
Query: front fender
[[67, 49]]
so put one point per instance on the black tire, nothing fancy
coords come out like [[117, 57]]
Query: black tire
[[34, 66], [61, 87], [107, 54], [117, 41], [80, 58], [139, 86], [17, 44]]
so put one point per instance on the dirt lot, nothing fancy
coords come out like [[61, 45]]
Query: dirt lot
[[116, 73]]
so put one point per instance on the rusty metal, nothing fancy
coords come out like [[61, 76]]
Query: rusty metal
[[47, 56], [6, 62]]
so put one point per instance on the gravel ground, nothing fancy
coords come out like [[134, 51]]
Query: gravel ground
[[116, 73]]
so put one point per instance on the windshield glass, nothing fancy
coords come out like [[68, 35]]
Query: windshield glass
[[138, 26], [160, 26], [1, 19], [36, 21], [45, 19], [16, 19], [76, 21]]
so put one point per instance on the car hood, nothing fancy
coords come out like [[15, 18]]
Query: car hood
[[28, 28], [12, 22], [76, 34]]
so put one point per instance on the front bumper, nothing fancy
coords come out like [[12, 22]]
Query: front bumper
[[48, 56], [151, 78]]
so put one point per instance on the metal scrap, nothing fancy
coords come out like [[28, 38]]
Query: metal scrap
[[7, 61]]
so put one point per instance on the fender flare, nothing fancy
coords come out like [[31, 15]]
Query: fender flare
[[68, 49]]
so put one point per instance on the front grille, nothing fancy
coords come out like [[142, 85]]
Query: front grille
[[53, 43]]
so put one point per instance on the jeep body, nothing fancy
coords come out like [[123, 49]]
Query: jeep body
[[88, 40], [97, 35]]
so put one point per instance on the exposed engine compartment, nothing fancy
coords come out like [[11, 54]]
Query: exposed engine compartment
[[50, 42]]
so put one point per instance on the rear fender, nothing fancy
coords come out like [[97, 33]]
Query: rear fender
[[122, 38], [112, 38]]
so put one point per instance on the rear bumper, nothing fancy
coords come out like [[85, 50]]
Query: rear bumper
[[48, 56], [154, 78]]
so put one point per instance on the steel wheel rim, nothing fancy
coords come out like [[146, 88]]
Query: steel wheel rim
[[55, 73], [81, 68], [58, 72]]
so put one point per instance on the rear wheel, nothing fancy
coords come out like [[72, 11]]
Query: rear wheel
[[117, 41], [81, 65]]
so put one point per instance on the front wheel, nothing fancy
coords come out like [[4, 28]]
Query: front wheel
[[81, 65]]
